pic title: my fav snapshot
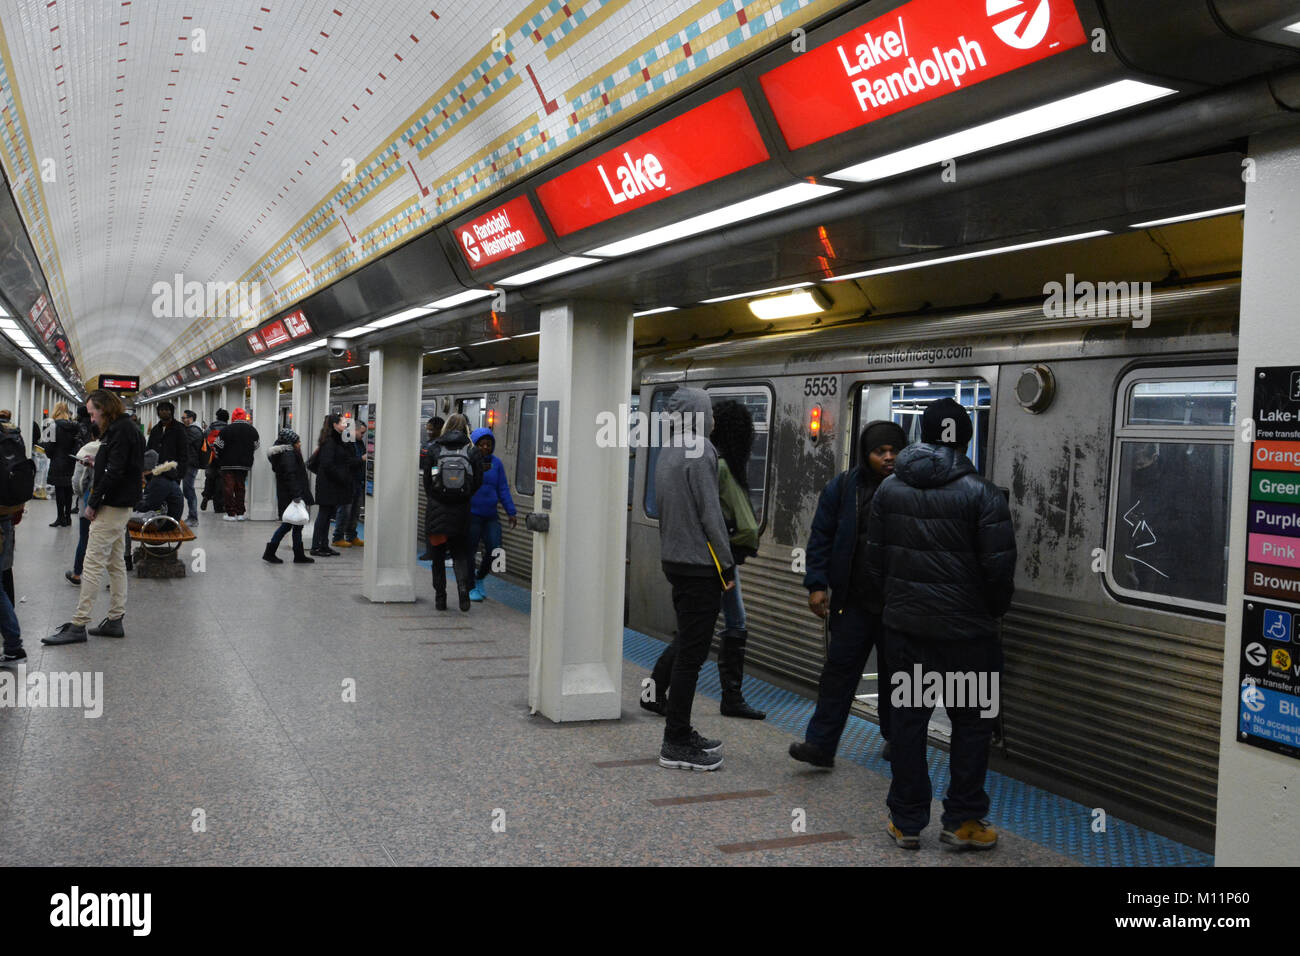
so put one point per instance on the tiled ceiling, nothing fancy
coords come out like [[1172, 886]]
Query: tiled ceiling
[[284, 143]]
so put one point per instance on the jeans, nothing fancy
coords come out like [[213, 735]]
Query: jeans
[[853, 631], [13, 634], [462, 563], [696, 600], [909, 792], [80, 557], [232, 491], [175, 501], [278, 535], [212, 490], [320, 533], [733, 607], [104, 553], [191, 499], [345, 522], [487, 530]]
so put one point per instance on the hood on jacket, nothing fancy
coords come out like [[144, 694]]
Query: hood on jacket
[[931, 466], [478, 433], [279, 449], [452, 439], [696, 419], [163, 468]]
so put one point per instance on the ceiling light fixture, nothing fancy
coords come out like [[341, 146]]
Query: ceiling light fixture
[[1204, 214], [751, 295], [791, 304], [460, 298], [1090, 104], [736, 212], [401, 317], [1293, 27], [356, 333], [662, 308], [558, 267], [921, 264]]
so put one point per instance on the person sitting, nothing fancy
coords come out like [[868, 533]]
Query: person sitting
[[162, 493]]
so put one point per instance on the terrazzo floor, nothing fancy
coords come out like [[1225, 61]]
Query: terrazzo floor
[[226, 739]]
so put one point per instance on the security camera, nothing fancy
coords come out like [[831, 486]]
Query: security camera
[[338, 347]]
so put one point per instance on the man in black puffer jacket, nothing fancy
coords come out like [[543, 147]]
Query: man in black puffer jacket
[[941, 543]]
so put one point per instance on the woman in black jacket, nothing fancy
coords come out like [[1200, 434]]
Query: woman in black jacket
[[446, 521], [332, 462], [61, 452], [291, 485]]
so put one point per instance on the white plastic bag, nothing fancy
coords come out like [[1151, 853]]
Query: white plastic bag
[[296, 513]]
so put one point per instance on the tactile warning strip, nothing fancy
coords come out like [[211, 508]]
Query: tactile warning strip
[[1047, 819]]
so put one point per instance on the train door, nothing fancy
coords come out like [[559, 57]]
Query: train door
[[903, 399], [473, 409]]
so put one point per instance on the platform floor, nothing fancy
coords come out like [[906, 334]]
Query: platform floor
[[227, 697]]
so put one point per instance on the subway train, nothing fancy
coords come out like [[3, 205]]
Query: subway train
[[1113, 443]]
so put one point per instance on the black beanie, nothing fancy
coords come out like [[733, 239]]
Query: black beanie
[[879, 433], [934, 424]]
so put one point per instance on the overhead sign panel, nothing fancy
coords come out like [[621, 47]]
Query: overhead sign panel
[[919, 52], [120, 383], [698, 147], [274, 334], [297, 324], [505, 231], [255, 343]]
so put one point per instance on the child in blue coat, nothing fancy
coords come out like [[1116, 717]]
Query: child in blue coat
[[484, 522]]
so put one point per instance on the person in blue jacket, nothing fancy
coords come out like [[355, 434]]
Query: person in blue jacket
[[484, 522]]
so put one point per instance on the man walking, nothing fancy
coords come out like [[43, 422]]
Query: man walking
[[345, 522], [235, 447], [940, 542], [195, 446]]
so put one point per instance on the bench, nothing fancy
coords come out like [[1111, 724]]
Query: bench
[[160, 540]]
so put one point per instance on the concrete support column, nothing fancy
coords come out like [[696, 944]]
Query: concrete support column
[[1256, 786], [43, 404], [20, 399], [10, 378], [226, 392], [389, 569], [29, 414], [576, 626], [311, 402], [261, 480]]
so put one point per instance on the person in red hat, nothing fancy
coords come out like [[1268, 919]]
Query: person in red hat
[[234, 456]]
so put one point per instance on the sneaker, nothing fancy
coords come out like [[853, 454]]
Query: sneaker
[[707, 744], [973, 834], [323, 552], [687, 757], [655, 707], [66, 634], [13, 658], [340, 543], [809, 754], [72, 579], [192, 521], [908, 841], [476, 594], [358, 542], [242, 518], [108, 627], [229, 518]]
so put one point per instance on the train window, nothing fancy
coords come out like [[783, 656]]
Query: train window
[[757, 399], [633, 406], [658, 404], [526, 463], [905, 402], [1172, 465], [511, 428]]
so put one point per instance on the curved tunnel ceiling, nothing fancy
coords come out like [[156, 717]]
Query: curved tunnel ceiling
[[283, 143]]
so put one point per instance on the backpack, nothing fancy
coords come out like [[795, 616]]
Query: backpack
[[451, 472], [17, 471]]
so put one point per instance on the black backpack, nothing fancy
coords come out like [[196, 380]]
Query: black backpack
[[452, 470], [17, 471]]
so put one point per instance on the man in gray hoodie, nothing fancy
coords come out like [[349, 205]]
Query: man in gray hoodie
[[696, 555]]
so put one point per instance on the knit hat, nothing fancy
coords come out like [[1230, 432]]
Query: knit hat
[[287, 436], [879, 433], [946, 419], [150, 460], [239, 415]]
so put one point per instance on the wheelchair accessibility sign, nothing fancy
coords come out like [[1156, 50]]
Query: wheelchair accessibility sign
[[1277, 624]]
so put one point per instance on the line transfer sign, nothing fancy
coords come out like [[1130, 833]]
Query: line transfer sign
[[921, 51], [505, 231]]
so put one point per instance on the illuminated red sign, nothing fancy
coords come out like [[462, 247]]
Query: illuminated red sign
[[698, 147], [255, 343], [919, 52], [210, 362], [119, 383], [505, 231], [275, 334], [548, 469], [297, 324]]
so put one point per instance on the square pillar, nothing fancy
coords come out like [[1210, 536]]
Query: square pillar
[[311, 396], [261, 480], [10, 377], [576, 625], [389, 568], [29, 414], [1257, 787]]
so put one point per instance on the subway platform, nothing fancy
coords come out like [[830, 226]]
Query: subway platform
[[226, 738]]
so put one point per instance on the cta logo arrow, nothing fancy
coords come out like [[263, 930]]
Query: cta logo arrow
[[1012, 30], [1253, 698]]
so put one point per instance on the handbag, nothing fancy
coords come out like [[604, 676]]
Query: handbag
[[296, 513]]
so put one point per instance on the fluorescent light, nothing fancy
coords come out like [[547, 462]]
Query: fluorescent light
[[460, 298], [18, 337], [359, 331], [9, 324], [1293, 27], [970, 255], [524, 335], [1191, 215], [1110, 98], [401, 317], [450, 348], [664, 308], [790, 305], [750, 295], [499, 338], [736, 212], [920, 383], [558, 267], [4, 312]]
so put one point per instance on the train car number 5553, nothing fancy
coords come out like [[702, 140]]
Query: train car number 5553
[[821, 385]]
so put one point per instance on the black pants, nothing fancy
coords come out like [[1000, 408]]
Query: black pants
[[320, 532], [212, 490], [696, 601], [461, 559], [853, 633], [63, 501], [909, 792]]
